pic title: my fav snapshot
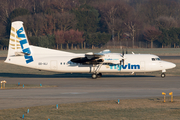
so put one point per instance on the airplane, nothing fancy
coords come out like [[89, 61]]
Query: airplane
[[22, 54]]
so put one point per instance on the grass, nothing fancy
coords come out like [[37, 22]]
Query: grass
[[156, 51], [3, 53], [131, 109]]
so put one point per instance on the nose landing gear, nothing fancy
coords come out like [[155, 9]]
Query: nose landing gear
[[163, 75]]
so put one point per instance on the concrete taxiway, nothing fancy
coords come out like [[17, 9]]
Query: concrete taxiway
[[83, 89]]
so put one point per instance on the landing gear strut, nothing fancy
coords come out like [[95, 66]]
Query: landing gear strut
[[96, 73], [163, 75]]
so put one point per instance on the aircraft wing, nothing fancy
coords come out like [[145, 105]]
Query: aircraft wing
[[91, 58]]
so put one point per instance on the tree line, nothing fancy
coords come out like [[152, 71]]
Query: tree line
[[68, 24]]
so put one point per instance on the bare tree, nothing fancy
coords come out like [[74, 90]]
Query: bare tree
[[48, 25], [7, 6], [108, 11], [119, 28], [65, 21], [153, 9], [166, 22], [79, 37], [59, 36], [151, 34], [131, 27], [60, 5], [115, 14]]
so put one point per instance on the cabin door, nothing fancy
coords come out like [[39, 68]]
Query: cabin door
[[142, 65], [54, 65]]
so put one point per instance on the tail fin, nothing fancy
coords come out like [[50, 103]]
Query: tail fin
[[18, 43]]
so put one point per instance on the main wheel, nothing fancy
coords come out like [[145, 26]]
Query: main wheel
[[163, 75], [94, 76], [99, 75]]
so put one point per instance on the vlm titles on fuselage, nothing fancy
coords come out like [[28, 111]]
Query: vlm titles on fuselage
[[23, 54]]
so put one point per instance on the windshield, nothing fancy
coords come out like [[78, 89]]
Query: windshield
[[156, 59]]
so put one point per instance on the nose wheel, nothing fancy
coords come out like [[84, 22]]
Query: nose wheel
[[163, 75]]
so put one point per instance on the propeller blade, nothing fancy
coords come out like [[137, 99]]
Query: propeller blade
[[123, 53]]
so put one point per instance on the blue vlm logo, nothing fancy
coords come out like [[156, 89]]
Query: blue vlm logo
[[119, 67], [22, 43]]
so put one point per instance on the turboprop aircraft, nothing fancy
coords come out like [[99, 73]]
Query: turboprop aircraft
[[23, 54]]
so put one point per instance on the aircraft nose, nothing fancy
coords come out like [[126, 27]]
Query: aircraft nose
[[173, 65], [170, 65]]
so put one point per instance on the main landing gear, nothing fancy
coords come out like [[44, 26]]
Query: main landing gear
[[163, 75], [94, 75]]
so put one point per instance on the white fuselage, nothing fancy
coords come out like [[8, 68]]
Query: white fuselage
[[58, 61]]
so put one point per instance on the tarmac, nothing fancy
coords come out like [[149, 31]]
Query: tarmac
[[75, 89]]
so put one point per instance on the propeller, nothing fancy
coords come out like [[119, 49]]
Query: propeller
[[122, 61]]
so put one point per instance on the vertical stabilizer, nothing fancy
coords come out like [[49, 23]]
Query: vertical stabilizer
[[18, 42]]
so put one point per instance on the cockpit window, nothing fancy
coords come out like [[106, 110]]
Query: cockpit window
[[155, 59]]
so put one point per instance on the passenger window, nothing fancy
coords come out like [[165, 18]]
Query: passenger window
[[64, 63], [153, 59], [61, 63]]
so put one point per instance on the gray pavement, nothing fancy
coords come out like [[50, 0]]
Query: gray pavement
[[72, 90]]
